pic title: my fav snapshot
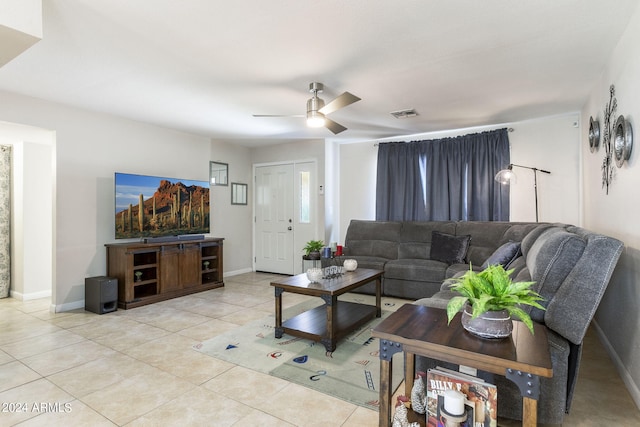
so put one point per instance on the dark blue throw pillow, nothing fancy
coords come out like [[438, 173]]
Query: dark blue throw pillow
[[449, 248], [504, 255]]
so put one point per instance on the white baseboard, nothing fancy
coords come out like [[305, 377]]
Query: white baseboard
[[236, 272], [632, 387], [68, 306], [30, 296]]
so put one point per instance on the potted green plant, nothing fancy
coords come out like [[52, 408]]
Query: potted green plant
[[312, 249], [489, 299]]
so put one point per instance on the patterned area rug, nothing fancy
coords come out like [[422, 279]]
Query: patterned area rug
[[351, 372]]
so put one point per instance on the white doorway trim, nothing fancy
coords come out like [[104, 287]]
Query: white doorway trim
[[302, 232], [33, 206]]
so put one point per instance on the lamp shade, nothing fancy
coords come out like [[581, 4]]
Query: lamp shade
[[506, 176]]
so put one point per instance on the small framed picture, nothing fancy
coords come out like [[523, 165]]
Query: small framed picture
[[218, 173], [238, 193]]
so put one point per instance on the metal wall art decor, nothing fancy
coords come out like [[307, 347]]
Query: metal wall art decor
[[622, 141], [607, 162], [617, 139], [594, 134]]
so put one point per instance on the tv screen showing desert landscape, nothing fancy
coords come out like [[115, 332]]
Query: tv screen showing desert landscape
[[151, 206]]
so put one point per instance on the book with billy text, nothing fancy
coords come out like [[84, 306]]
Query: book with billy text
[[481, 398]]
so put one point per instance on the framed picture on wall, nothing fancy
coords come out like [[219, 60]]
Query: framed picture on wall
[[238, 193], [218, 173]]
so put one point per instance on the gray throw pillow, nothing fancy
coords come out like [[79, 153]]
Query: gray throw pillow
[[449, 248], [504, 255]]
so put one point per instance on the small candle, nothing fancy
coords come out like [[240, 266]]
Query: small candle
[[334, 246], [454, 402]]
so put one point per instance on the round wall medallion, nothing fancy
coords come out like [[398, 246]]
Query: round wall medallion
[[622, 141], [594, 134]]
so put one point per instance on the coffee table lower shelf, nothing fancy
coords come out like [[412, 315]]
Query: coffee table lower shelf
[[314, 324]]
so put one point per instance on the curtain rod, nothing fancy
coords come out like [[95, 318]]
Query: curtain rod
[[508, 130]]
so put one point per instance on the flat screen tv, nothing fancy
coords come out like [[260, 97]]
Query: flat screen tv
[[152, 206]]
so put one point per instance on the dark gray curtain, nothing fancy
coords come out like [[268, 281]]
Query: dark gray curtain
[[443, 179]]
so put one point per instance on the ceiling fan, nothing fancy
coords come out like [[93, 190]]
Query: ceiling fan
[[317, 110]]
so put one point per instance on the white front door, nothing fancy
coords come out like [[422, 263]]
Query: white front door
[[286, 215], [274, 219]]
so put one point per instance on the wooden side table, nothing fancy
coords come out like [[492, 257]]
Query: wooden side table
[[419, 330]]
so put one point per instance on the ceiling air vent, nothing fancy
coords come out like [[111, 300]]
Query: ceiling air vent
[[403, 114]]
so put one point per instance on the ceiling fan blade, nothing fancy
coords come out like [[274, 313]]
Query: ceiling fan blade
[[334, 127], [278, 115], [340, 102]]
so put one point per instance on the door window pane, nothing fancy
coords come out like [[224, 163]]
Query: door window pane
[[305, 197]]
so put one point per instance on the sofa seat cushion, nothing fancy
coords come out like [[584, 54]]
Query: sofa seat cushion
[[438, 300], [449, 248], [457, 270], [419, 270]]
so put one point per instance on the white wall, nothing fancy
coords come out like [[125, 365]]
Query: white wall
[[31, 210], [90, 147], [550, 143], [20, 27], [38, 220], [233, 222], [616, 214], [357, 185]]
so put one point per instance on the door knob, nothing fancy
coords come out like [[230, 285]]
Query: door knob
[[289, 228]]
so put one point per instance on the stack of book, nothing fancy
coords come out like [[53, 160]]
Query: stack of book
[[480, 399]]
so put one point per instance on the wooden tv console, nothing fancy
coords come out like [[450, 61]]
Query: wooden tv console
[[152, 272]]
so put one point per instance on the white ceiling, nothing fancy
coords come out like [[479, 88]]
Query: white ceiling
[[205, 66]]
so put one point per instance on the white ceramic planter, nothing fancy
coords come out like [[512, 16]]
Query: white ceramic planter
[[350, 264], [490, 324]]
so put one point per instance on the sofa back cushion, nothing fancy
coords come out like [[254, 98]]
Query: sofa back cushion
[[487, 236], [571, 309], [415, 238], [373, 238], [518, 231], [550, 259]]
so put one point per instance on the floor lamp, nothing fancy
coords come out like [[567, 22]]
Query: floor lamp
[[505, 176]]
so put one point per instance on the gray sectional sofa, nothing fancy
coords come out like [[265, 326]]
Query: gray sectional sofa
[[403, 250], [570, 265]]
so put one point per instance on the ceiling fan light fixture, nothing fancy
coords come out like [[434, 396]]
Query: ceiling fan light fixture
[[317, 111], [315, 119]]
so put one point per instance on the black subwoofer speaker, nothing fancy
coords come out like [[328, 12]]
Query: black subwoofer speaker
[[101, 294]]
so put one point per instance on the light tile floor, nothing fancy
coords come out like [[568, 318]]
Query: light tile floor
[[136, 368]]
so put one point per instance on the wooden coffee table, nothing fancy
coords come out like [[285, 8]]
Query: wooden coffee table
[[415, 329], [333, 320]]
